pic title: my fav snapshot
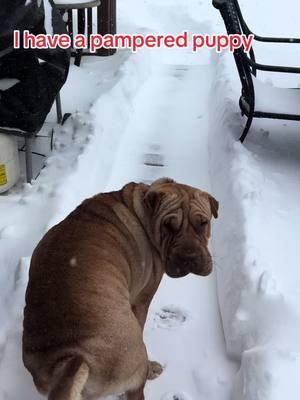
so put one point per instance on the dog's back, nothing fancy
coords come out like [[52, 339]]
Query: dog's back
[[72, 340]]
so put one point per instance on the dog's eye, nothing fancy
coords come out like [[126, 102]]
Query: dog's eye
[[172, 224], [201, 225]]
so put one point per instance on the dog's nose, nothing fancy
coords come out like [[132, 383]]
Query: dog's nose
[[188, 250], [189, 253], [188, 259]]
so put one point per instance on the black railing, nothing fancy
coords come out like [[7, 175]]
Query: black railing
[[247, 66]]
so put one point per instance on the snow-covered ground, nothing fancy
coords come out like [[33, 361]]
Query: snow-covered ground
[[256, 238], [233, 335]]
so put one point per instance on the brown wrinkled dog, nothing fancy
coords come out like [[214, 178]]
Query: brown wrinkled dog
[[92, 278]]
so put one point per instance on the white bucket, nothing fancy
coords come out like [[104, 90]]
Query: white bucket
[[9, 162]]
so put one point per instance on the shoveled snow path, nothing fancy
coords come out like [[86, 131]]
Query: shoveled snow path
[[183, 331]]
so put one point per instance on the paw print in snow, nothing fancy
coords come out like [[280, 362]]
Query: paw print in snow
[[169, 317], [175, 396]]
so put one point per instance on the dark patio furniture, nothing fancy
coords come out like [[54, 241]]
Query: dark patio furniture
[[281, 103], [30, 78], [89, 17], [29, 137]]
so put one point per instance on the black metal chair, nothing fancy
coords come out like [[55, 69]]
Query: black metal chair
[[252, 101], [29, 137], [86, 17], [37, 74]]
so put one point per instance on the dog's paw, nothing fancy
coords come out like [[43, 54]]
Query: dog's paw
[[154, 370]]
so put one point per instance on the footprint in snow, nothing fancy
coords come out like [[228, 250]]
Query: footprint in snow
[[169, 317], [153, 160], [174, 396]]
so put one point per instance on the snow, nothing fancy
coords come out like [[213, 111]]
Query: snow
[[285, 101], [7, 83], [175, 320], [75, 2], [257, 234], [48, 16], [232, 335]]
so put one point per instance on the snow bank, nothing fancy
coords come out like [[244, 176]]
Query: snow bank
[[255, 242], [98, 140], [267, 373]]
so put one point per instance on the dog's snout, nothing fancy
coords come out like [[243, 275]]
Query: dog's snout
[[188, 259], [190, 252]]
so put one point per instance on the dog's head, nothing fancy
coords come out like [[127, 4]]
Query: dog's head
[[180, 218]]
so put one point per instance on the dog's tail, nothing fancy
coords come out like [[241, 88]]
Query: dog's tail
[[70, 379]]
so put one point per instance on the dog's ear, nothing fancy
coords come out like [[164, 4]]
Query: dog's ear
[[163, 180], [155, 194], [214, 205]]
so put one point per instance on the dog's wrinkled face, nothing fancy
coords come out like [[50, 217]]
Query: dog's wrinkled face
[[180, 218]]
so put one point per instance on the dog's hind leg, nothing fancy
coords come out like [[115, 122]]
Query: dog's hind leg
[[140, 311], [70, 380], [154, 370], [136, 395]]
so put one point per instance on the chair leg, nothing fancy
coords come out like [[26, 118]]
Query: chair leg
[[247, 127], [78, 57], [58, 108], [28, 158], [81, 31]]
